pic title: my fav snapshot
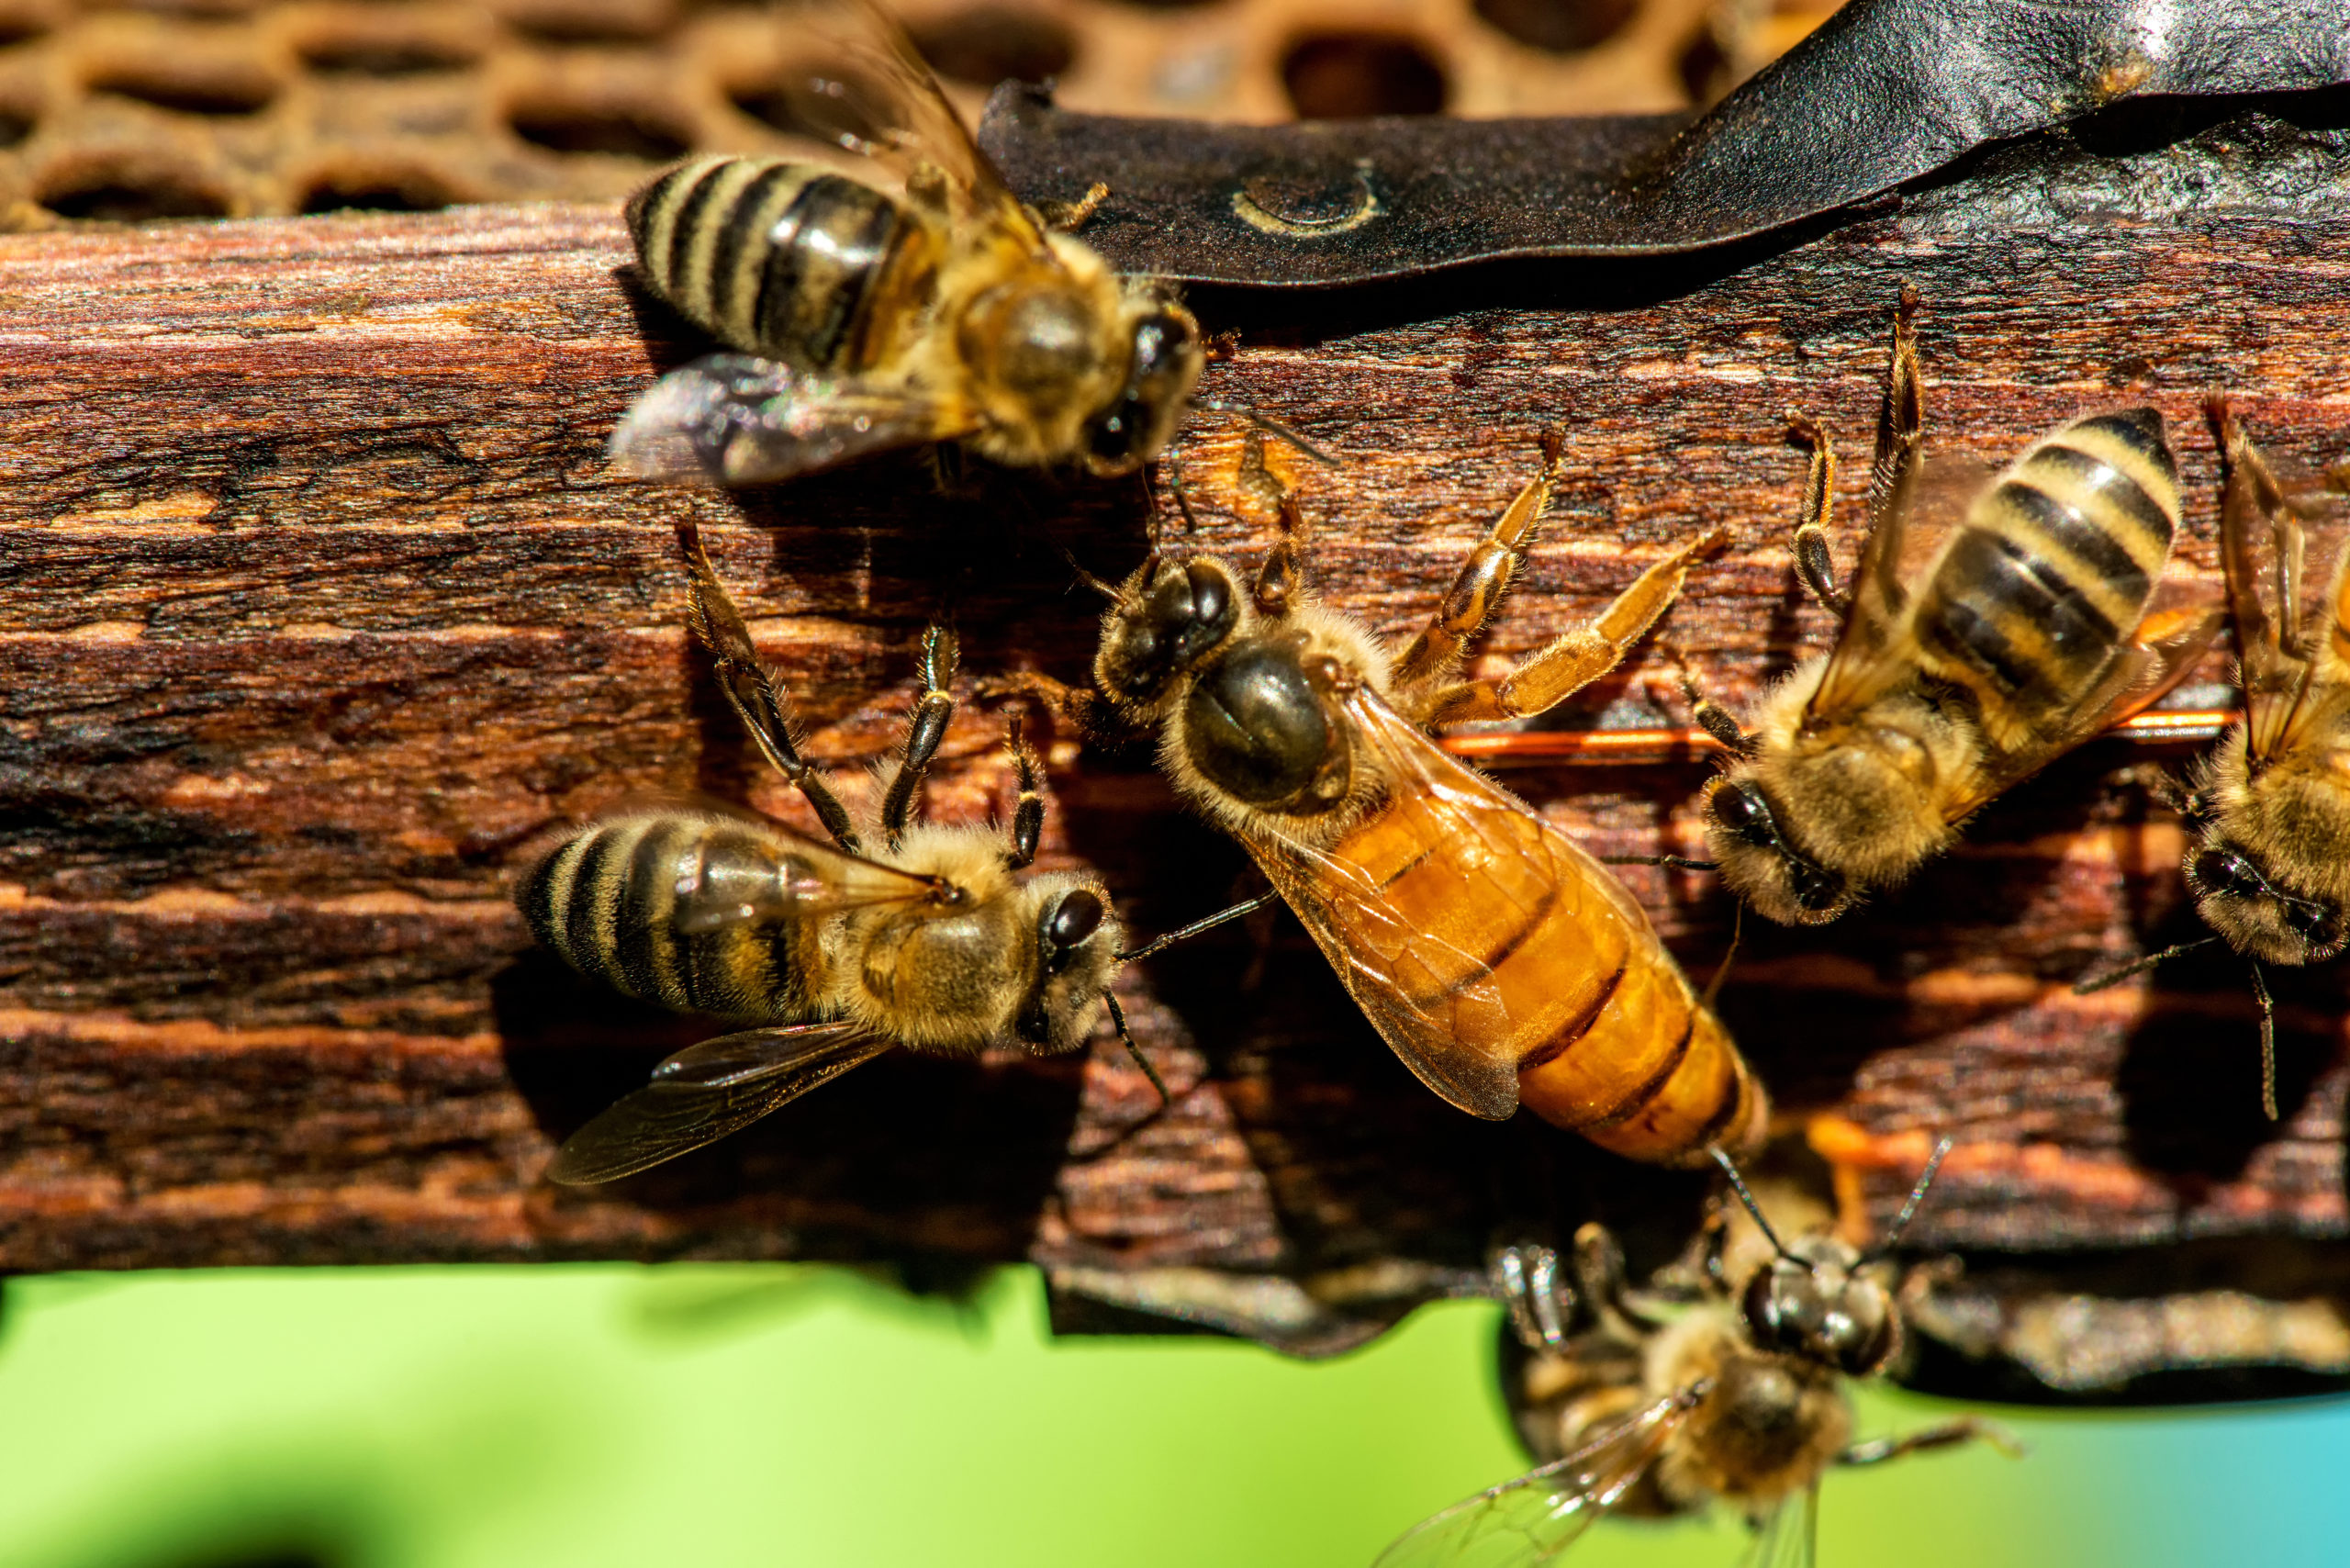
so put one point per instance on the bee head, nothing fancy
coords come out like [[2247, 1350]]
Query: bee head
[[1817, 1301], [2238, 899], [1163, 361], [1169, 618], [1758, 862], [1076, 945]]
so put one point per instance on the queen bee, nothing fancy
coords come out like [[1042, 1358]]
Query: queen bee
[[1503, 964], [899, 295]]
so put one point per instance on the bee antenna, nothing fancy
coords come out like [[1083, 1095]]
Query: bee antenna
[[1738, 1185], [1910, 1206], [1271, 426], [2140, 966], [2268, 1040], [1118, 1022], [1088, 578], [1737, 929], [1184, 933]]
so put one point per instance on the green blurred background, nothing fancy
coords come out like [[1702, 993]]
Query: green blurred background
[[763, 1414]]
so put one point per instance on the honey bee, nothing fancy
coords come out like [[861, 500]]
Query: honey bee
[[1967, 661], [1730, 1384], [901, 296], [931, 939], [1502, 962], [2269, 808]]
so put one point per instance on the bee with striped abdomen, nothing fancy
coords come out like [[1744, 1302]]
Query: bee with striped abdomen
[[904, 934], [1730, 1382], [1502, 963], [2269, 862], [899, 296], [1967, 660]]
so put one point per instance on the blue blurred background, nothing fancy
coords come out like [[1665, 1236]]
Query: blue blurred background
[[732, 1414]]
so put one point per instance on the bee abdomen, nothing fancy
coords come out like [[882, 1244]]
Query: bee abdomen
[[607, 901], [2054, 568], [780, 258]]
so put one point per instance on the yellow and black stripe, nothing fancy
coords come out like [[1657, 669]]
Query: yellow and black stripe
[[2053, 570], [784, 259], [607, 902]]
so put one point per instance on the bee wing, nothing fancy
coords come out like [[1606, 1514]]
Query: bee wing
[[810, 879], [2178, 627], [1397, 972], [869, 91], [1535, 1518], [1915, 522], [706, 1091], [1790, 1537], [2284, 556], [732, 419]]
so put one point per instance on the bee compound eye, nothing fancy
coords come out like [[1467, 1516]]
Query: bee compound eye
[[1741, 809], [1211, 595], [1075, 918], [2225, 871]]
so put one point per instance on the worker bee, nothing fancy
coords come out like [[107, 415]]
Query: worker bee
[[1967, 660], [1502, 962], [901, 296], [930, 940], [1727, 1381], [2270, 861]]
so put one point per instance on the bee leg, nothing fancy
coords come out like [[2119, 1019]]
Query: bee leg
[[1284, 569], [1814, 565], [1028, 816], [1901, 428], [1068, 217], [750, 687], [1542, 1304], [1599, 1271], [1950, 1434], [1576, 659], [1710, 715], [1477, 588], [932, 712]]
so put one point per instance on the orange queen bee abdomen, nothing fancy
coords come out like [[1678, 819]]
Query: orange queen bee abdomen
[[1510, 945]]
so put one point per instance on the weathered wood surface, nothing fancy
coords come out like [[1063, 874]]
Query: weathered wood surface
[[315, 601]]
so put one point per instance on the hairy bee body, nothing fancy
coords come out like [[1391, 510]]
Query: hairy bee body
[[2034, 627], [2053, 569], [606, 903], [609, 901], [901, 296], [787, 259]]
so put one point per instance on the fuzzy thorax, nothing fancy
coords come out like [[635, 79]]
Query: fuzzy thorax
[[2289, 828], [959, 978], [1767, 1426], [1863, 801]]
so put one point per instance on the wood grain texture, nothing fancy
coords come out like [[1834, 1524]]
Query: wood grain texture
[[316, 604]]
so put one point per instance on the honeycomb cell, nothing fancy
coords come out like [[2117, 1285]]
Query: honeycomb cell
[[222, 88], [988, 44], [571, 126], [128, 192], [1563, 27], [1339, 75]]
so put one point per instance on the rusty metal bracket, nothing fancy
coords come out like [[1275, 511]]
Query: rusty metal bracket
[[1885, 95]]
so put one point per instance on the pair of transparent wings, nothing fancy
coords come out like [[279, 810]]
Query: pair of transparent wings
[[1534, 1519], [1916, 521], [867, 103], [1488, 846], [2285, 556], [719, 1087]]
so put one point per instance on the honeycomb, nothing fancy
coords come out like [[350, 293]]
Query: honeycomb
[[231, 109]]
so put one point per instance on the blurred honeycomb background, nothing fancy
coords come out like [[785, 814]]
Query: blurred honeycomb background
[[231, 109]]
